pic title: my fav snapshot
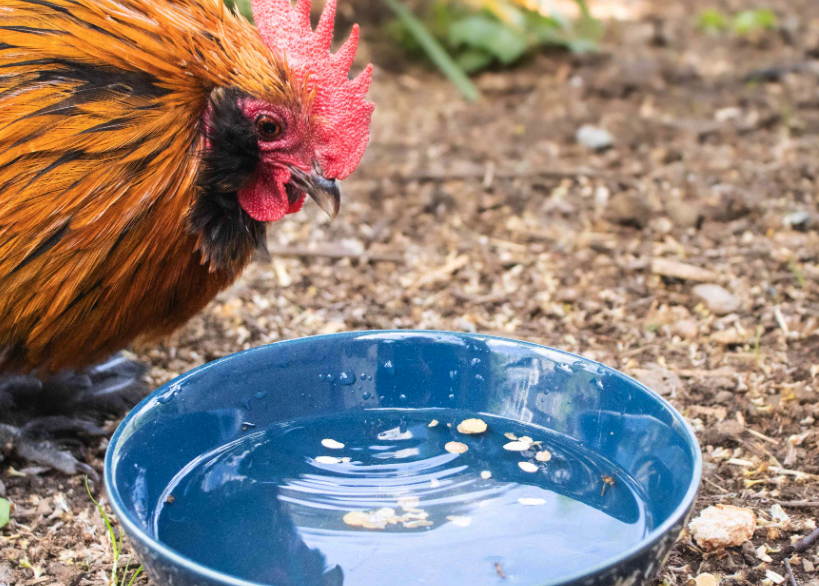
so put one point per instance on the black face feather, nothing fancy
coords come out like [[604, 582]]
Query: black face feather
[[227, 233]]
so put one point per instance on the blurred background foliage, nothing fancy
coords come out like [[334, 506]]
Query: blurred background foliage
[[463, 37]]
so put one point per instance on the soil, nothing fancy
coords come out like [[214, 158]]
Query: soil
[[490, 217]]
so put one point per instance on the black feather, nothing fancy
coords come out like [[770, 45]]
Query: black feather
[[227, 233]]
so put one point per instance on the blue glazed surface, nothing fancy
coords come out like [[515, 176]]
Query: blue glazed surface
[[604, 411]]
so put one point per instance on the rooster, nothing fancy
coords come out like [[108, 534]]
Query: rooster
[[145, 146]]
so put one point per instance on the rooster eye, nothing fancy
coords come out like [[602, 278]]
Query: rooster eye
[[268, 128]]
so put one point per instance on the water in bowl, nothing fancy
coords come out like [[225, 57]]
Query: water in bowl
[[382, 497]]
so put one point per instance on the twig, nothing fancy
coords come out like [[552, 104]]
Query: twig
[[790, 572], [807, 504], [763, 437], [803, 545], [715, 485], [309, 253]]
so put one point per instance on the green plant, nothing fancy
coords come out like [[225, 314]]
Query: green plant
[[752, 22], [712, 20], [5, 512], [116, 546], [480, 33]]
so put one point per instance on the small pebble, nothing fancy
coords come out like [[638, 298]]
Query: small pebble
[[543, 456], [717, 299], [531, 502], [472, 426], [527, 467], [594, 138], [328, 460], [486, 475], [456, 447], [332, 444]]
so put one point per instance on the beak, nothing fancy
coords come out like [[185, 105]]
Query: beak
[[325, 192]]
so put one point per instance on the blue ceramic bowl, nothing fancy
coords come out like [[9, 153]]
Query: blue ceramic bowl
[[601, 409]]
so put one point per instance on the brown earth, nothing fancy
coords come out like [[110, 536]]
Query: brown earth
[[492, 218]]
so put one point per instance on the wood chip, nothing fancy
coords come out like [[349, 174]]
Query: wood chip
[[680, 270]]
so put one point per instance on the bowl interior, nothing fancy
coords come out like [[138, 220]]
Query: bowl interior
[[595, 406]]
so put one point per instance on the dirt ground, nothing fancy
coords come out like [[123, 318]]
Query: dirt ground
[[687, 255]]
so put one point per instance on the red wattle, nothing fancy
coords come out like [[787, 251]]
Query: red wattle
[[264, 198]]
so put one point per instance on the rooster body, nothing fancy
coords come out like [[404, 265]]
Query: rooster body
[[144, 147]]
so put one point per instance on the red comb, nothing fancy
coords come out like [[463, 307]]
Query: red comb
[[339, 106]]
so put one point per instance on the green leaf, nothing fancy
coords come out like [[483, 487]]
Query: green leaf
[[5, 512], [242, 6], [473, 60], [712, 20], [479, 32], [751, 21], [436, 53]]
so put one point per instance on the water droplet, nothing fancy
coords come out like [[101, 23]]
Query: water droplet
[[330, 378], [365, 396], [453, 374], [370, 377], [165, 399], [380, 397], [346, 378], [389, 367], [599, 384], [364, 376], [261, 394], [360, 388], [246, 403], [321, 377], [475, 361], [402, 397]]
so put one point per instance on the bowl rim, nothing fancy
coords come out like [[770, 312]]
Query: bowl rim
[[158, 548]]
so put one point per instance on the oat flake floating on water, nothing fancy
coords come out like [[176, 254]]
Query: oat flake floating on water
[[328, 460], [332, 444], [433, 423], [543, 456], [527, 467], [511, 436], [472, 426], [456, 447], [516, 446], [486, 475], [531, 502], [460, 521]]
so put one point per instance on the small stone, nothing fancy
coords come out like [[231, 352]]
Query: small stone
[[328, 460], [486, 475], [722, 526], [729, 337], [628, 209], [456, 447], [808, 566], [332, 444], [517, 446], [528, 467], [797, 220], [472, 426], [706, 580], [543, 456], [724, 397], [594, 138], [685, 328], [675, 269], [659, 379], [531, 502], [717, 299]]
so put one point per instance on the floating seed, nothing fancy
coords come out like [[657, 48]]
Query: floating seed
[[332, 444], [328, 460], [456, 447], [531, 502], [527, 466], [543, 456], [516, 446], [459, 521], [472, 426]]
